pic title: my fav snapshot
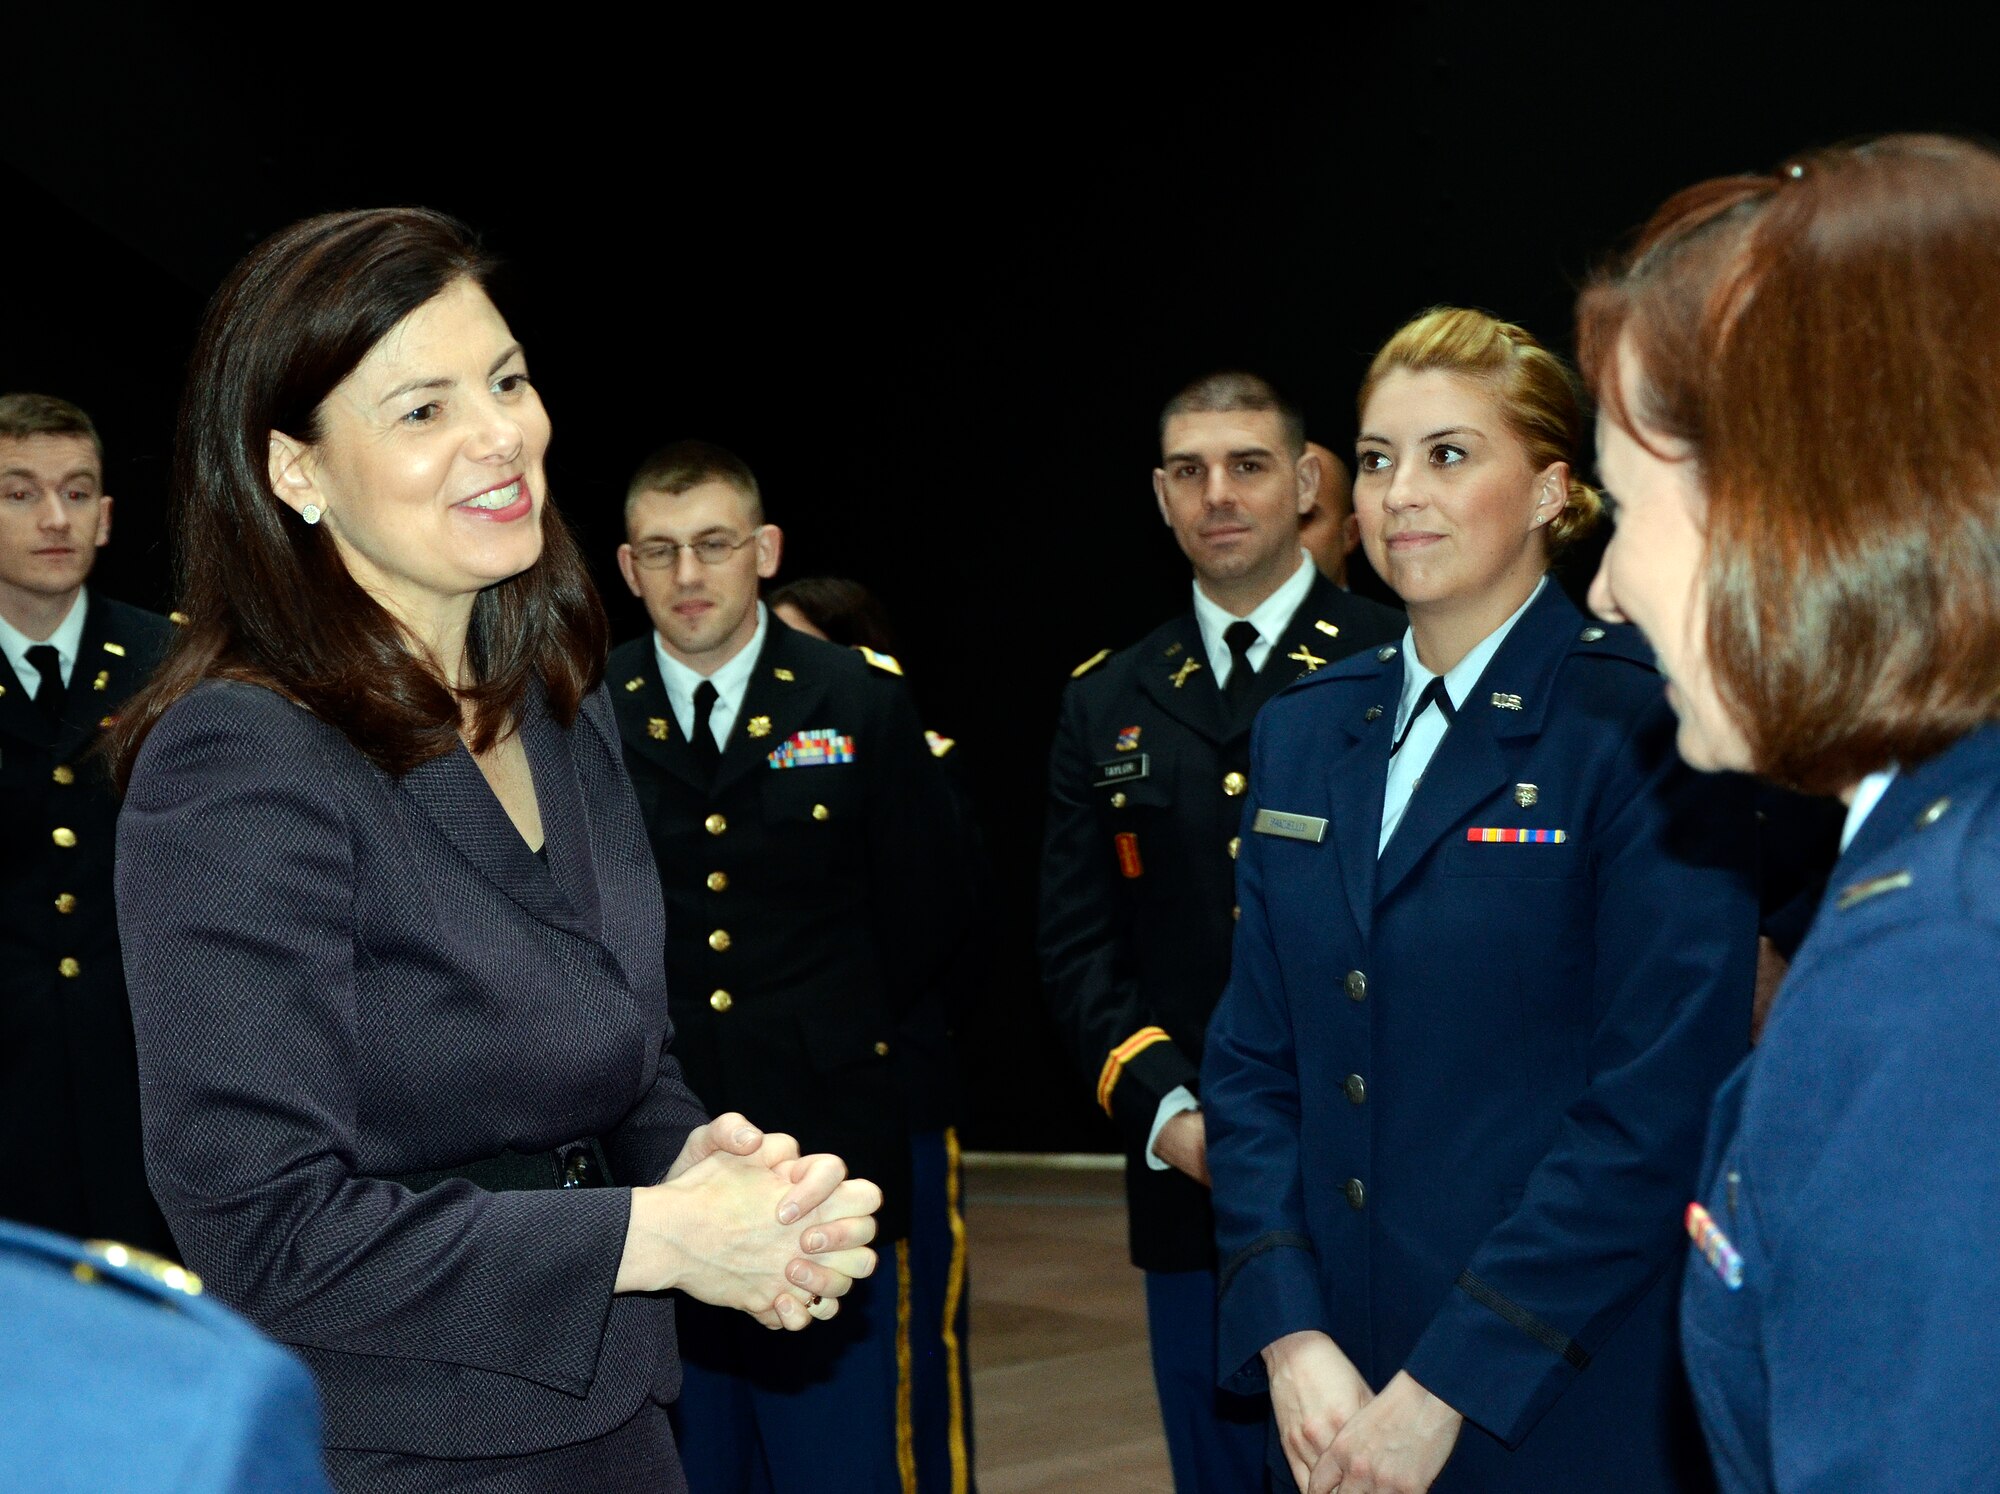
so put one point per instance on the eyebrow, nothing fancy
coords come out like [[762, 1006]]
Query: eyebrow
[[1236, 455], [34, 476], [1450, 430], [713, 531], [446, 382]]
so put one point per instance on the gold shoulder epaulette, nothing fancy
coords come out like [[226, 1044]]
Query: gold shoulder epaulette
[[939, 745], [883, 662], [1089, 664]]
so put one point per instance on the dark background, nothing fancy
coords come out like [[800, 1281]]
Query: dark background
[[932, 278]]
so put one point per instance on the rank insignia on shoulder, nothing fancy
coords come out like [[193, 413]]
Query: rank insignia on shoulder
[[1128, 854], [1860, 892], [883, 662], [1128, 739], [938, 744], [116, 650], [1714, 1245], [178, 619], [760, 726], [1503, 701], [783, 674], [1089, 664], [1511, 835], [637, 682], [817, 747], [656, 728], [1180, 676]]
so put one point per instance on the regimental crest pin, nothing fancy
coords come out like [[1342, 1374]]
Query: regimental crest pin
[[1505, 701], [1180, 676], [637, 682], [1128, 739], [1526, 795], [103, 679], [1307, 657], [656, 728], [760, 726]]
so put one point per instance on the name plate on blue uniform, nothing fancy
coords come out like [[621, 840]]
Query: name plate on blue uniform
[[1292, 826], [1122, 770]]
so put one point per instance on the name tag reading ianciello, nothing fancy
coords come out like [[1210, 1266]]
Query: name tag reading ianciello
[[1304, 827], [1122, 770]]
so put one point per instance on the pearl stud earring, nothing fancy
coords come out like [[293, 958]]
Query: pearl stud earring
[[310, 513]]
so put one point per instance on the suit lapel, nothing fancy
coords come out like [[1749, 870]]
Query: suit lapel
[[20, 717], [87, 703], [1174, 672], [1476, 756], [1301, 649], [646, 719], [1357, 771], [779, 699]]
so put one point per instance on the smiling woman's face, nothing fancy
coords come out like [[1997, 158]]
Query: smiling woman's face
[[429, 467], [1451, 512]]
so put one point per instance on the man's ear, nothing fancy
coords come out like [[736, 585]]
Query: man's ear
[[770, 548], [104, 521], [628, 567], [1350, 534], [291, 473], [1307, 472], [1160, 495]]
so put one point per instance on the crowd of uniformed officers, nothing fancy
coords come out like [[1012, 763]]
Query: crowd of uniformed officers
[[1405, 949]]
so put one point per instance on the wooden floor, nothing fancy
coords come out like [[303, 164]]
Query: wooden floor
[[1062, 1387]]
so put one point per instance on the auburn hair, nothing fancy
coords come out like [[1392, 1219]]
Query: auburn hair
[[1534, 389], [268, 598], [1824, 344]]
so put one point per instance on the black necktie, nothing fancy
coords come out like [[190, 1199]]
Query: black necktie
[[49, 694], [1434, 695], [702, 739], [1240, 636]]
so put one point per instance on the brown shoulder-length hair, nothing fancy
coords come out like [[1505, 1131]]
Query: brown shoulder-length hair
[[1824, 343], [267, 597]]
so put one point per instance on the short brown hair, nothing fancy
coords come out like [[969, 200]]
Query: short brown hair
[[23, 415], [1824, 343], [1535, 390], [681, 465], [1234, 389], [269, 598]]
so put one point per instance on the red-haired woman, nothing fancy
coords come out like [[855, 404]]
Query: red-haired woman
[[392, 929], [1800, 377]]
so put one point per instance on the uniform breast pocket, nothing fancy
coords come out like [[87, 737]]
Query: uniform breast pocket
[[831, 797]]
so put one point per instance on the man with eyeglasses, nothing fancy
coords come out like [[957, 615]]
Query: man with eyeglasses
[[816, 883], [1146, 786]]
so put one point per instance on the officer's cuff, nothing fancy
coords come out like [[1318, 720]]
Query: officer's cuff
[[1179, 1099]]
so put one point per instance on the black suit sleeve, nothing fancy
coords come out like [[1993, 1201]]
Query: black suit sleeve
[[1085, 950], [236, 874]]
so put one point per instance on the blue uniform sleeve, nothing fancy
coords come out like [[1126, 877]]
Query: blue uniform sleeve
[[1269, 1281], [1600, 1219], [1881, 1133]]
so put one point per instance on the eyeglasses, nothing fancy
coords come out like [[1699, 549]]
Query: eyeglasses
[[660, 555]]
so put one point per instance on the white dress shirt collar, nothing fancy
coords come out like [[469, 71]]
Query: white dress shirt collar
[[67, 638], [1271, 617], [730, 681], [1867, 794]]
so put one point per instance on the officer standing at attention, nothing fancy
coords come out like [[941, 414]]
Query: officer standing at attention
[[1146, 785], [815, 887], [69, 1081]]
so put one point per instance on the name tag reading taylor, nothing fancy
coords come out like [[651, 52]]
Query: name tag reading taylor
[[1304, 827], [1122, 770]]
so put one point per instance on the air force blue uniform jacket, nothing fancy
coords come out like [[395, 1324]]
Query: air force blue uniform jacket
[[1455, 1096], [1853, 1176]]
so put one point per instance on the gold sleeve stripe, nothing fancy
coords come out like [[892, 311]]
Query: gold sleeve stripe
[[1089, 664], [906, 1427], [1124, 1053]]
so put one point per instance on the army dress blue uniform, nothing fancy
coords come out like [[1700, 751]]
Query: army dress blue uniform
[[1146, 780], [1455, 1092], [118, 1373], [1839, 1311], [70, 1157], [815, 890]]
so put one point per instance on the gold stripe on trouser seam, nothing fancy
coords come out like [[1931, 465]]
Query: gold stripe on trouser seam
[[906, 1440], [954, 1292]]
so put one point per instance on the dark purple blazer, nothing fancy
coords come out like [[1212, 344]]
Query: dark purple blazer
[[338, 976]]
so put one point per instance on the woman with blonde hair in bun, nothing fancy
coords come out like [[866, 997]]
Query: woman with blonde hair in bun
[[1495, 954]]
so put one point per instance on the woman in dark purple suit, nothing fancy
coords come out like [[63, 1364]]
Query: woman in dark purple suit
[[394, 939]]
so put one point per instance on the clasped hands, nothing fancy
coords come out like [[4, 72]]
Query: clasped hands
[[1338, 1435], [742, 1220]]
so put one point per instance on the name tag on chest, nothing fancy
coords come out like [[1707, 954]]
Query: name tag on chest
[[1122, 770], [1304, 827]]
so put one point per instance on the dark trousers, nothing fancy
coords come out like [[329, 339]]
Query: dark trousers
[[1215, 1441]]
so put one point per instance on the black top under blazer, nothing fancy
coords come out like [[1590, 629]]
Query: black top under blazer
[[337, 976]]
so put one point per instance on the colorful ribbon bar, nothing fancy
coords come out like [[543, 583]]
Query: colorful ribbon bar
[[1714, 1244], [814, 749], [1508, 835]]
